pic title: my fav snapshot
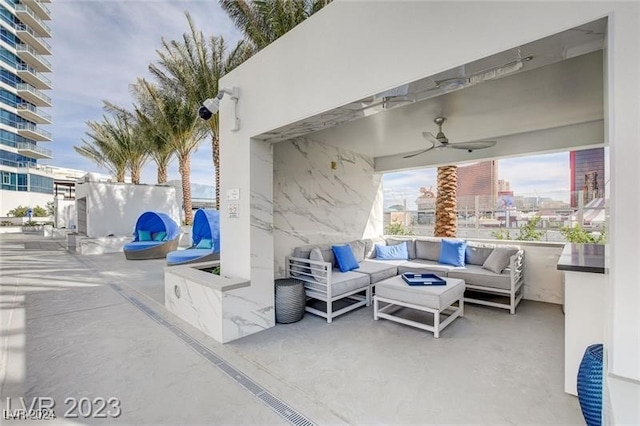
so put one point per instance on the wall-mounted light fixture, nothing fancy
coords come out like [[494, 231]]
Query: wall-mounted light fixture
[[212, 105]]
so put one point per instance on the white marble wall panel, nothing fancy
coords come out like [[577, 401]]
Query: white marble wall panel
[[199, 305], [314, 203], [258, 301]]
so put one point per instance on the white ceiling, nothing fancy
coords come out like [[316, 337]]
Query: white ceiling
[[561, 85]]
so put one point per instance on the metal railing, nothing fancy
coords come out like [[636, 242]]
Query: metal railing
[[37, 111], [30, 88], [33, 128], [34, 72], [32, 51], [25, 28], [32, 14], [34, 147]]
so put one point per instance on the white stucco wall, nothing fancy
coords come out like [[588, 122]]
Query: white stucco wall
[[9, 200], [352, 49], [315, 204], [113, 208], [64, 213]]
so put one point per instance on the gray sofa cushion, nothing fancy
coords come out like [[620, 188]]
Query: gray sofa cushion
[[377, 270], [359, 249], [477, 253], [422, 266], [370, 250], [477, 275], [411, 245], [318, 275], [499, 259], [342, 282], [435, 297], [428, 249]]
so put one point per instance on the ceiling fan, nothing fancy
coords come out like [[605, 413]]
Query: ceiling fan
[[440, 141]]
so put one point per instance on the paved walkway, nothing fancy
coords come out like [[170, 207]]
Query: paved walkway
[[72, 328]]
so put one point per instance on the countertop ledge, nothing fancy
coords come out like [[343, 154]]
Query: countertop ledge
[[582, 258], [208, 279]]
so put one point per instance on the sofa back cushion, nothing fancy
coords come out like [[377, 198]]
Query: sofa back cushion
[[428, 249], [477, 253], [319, 274], [411, 245], [359, 248], [452, 252], [370, 246], [499, 259]]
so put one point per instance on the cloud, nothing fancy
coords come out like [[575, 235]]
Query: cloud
[[100, 48]]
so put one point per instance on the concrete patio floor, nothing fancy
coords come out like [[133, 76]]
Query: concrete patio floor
[[95, 326]]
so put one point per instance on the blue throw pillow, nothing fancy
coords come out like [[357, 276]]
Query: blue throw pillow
[[158, 236], [395, 252], [345, 258], [452, 252], [144, 235], [204, 243]]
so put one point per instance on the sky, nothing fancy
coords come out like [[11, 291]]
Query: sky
[[100, 47]]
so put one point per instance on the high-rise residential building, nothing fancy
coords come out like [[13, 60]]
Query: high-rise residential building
[[587, 174], [479, 179], [23, 64]]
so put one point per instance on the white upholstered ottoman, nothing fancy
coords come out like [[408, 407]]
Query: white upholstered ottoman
[[394, 293]]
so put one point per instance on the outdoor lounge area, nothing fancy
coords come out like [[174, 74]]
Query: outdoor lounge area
[[301, 165], [355, 371]]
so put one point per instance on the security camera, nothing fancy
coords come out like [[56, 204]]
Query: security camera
[[212, 105], [209, 107]]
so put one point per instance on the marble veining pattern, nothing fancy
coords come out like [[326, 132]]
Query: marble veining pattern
[[314, 203]]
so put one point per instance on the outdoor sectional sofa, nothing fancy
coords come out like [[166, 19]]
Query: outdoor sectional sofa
[[315, 265]]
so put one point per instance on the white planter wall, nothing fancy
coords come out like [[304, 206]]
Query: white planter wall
[[113, 208]]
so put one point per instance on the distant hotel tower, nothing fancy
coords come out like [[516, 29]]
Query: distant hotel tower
[[478, 179], [587, 174], [22, 63]]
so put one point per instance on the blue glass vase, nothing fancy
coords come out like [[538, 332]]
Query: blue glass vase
[[590, 385]]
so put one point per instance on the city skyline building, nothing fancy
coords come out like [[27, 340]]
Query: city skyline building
[[23, 48], [478, 179], [587, 174]]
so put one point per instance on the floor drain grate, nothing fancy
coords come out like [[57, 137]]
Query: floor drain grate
[[276, 404]]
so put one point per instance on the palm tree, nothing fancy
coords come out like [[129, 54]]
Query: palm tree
[[264, 21], [179, 124], [103, 151], [192, 67], [146, 115], [446, 202]]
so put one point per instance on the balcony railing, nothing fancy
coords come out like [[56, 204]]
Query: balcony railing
[[33, 114], [34, 131], [40, 152], [33, 77], [29, 17], [36, 95], [26, 34], [29, 54], [39, 8]]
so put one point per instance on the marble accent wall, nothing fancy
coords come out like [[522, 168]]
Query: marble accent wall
[[314, 203]]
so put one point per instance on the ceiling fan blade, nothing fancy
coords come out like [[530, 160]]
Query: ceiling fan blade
[[420, 152], [429, 136], [472, 145]]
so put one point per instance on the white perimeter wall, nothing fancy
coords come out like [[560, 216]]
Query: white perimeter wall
[[352, 49], [113, 208], [9, 200], [315, 204]]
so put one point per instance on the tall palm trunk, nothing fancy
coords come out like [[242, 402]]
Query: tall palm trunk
[[446, 202], [215, 145], [135, 175], [184, 168], [120, 176], [162, 173]]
